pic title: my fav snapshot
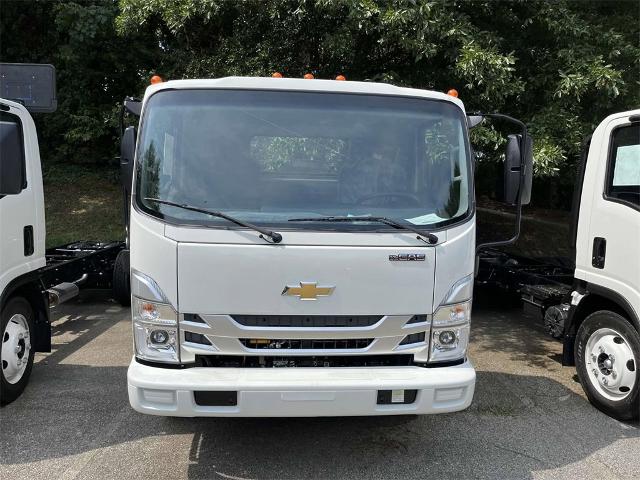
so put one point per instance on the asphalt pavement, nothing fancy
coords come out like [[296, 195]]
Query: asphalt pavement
[[529, 419]]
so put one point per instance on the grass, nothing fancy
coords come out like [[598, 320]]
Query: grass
[[541, 235], [82, 202]]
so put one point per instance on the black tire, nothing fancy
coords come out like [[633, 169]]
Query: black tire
[[627, 408], [121, 284], [9, 391]]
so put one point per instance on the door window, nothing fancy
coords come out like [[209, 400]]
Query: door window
[[624, 166], [12, 162]]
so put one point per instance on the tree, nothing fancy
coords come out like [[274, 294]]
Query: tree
[[95, 68], [561, 66]]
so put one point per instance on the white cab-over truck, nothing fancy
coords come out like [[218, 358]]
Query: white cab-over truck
[[33, 279], [303, 248], [592, 301], [602, 331], [24, 321]]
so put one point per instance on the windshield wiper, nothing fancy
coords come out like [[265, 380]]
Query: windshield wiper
[[426, 237], [274, 236]]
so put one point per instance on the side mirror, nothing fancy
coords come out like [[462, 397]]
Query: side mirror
[[474, 120], [12, 162], [133, 106], [519, 156], [127, 154]]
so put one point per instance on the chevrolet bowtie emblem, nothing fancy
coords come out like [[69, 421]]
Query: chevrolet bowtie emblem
[[308, 291]]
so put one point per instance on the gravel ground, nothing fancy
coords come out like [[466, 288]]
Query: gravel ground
[[529, 419]]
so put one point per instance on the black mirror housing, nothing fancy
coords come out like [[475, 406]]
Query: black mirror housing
[[127, 155], [12, 161], [528, 170], [519, 156], [518, 174], [133, 106]]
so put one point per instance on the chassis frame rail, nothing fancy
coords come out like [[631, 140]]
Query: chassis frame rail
[[540, 282], [71, 262]]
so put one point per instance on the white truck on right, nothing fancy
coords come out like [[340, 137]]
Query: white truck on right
[[601, 332]]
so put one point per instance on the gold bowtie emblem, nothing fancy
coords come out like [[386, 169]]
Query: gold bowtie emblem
[[308, 291]]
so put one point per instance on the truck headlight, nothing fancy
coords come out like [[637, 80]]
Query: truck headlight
[[155, 331], [450, 332]]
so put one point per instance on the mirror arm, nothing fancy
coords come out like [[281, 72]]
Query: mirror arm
[[127, 156], [132, 106], [516, 234]]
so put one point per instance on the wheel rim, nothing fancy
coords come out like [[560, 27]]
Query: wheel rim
[[610, 363], [16, 348]]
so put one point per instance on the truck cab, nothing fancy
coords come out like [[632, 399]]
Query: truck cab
[[24, 311], [602, 333], [32, 278], [301, 248]]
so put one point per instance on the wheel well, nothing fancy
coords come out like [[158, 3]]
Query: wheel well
[[593, 303], [32, 292]]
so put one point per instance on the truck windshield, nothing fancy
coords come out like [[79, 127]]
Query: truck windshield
[[266, 157]]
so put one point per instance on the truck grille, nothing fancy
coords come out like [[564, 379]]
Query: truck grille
[[307, 320], [196, 338], [413, 338], [237, 361], [306, 344], [268, 335]]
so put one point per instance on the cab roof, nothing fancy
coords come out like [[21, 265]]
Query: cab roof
[[301, 85]]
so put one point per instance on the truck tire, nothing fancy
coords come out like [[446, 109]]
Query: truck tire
[[607, 356], [121, 284], [16, 351]]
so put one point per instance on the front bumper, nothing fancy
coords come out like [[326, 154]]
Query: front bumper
[[299, 392]]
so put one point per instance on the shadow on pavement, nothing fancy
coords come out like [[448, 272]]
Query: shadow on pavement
[[75, 421], [500, 325], [72, 328], [505, 434], [517, 425]]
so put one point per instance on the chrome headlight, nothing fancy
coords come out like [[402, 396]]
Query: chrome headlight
[[450, 332], [155, 331]]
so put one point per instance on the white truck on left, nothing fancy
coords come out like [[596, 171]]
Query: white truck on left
[[33, 279]]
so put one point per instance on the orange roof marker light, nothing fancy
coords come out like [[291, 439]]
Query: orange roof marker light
[[453, 92], [308, 76], [276, 75], [341, 78], [156, 79]]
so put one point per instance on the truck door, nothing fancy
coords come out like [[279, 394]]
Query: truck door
[[21, 199], [614, 227]]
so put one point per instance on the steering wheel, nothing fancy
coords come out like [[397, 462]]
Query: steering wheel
[[414, 200]]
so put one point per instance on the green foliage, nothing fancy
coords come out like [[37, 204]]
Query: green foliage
[[560, 66], [96, 68], [490, 74]]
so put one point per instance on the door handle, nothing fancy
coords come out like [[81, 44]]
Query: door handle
[[27, 236], [599, 252]]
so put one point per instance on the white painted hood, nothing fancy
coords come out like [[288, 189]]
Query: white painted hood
[[232, 278]]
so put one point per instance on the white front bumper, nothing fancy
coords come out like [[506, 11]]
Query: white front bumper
[[299, 392]]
